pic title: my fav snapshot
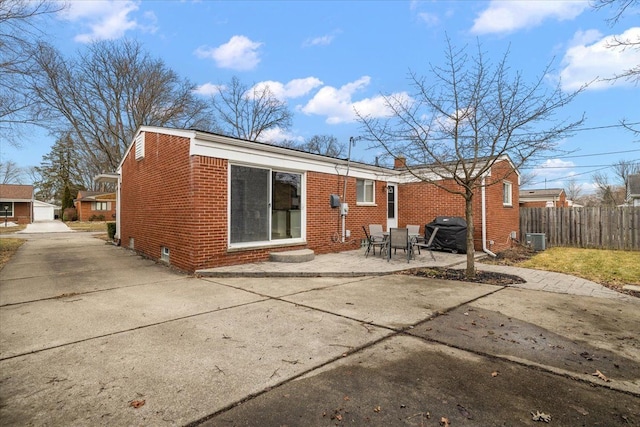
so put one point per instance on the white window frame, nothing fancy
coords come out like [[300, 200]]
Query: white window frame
[[270, 241], [507, 193], [366, 183], [95, 205]]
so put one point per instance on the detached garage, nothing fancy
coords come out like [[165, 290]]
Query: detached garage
[[43, 211]]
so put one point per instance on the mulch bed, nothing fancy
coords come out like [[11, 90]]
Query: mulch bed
[[487, 277]]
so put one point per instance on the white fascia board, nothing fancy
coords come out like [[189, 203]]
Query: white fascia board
[[237, 151], [4, 199]]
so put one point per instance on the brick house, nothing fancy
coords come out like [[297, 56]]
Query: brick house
[[16, 203], [200, 200], [544, 198], [95, 206]]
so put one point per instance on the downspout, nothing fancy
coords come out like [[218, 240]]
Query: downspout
[[484, 221], [118, 199]]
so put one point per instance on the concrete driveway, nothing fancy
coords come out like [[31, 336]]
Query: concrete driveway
[[91, 334]]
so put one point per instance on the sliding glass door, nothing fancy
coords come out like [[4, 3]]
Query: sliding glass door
[[266, 205]]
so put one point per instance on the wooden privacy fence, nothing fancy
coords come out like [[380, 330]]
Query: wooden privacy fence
[[597, 227]]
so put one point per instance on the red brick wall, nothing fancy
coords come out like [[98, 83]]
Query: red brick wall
[[85, 212], [419, 203], [21, 213], [501, 220], [156, 200]]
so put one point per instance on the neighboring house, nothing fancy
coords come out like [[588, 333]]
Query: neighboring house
[[544, 198], [200, 200], [95, 206], [633, 190], [16, 203]]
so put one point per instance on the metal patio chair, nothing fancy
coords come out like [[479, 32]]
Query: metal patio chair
[[429, 244], [372, 243], [399, 239]]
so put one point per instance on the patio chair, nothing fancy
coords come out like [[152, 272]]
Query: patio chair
[[399, 239], [414, 235], [429, 244], [375, 231], [372, 243]]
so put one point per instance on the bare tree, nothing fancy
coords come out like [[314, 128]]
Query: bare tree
[[463, 117], [18, 29], [247, 113], [325, 145], [574, 190], [11, 173], [105, 94]]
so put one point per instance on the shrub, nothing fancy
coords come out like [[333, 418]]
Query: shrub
[[70, 214], [96, 217], [111, 230]]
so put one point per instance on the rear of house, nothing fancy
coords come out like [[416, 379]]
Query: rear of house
[[200, 200]]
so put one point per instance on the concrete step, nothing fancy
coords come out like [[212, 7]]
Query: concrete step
[[300, 255]]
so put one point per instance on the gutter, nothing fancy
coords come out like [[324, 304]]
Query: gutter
[[484, 221]]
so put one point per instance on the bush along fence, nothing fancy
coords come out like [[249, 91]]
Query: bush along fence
[[596, 227]]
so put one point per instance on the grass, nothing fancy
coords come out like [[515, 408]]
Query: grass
[[8, 247], [87, 225], [607, 267], [7, 230]]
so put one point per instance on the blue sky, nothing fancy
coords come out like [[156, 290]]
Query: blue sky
[[326, 58]]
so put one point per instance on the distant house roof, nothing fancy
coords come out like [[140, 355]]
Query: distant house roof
[[92, 196], [634, 186], [540, 194], [16, 193]]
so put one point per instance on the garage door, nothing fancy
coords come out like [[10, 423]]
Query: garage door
[[43, 213]]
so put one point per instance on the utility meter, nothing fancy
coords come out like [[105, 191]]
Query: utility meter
[[344, 209]]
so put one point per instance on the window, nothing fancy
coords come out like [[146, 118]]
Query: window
[[364, 191], [6, 209], [100, 206], [164, 254], [506, 193], [265, 205]]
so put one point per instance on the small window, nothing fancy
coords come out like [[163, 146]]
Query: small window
[[100, 206], [6, 209], [164, 255], [140, 146], [365, 191], [132, 243], [507, 189]]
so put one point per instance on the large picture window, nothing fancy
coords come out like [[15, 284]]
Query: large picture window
[[265, 205]]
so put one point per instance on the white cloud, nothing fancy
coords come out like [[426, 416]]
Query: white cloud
[[276, 135], [584, 62], [208, 89], [429, 18], [319, 41], [554, 168], [293, 89], [509, 16], [338, 106], [239, 53], [106, 19]]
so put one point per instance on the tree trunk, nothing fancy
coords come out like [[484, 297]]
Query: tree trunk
[[470, 272]]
